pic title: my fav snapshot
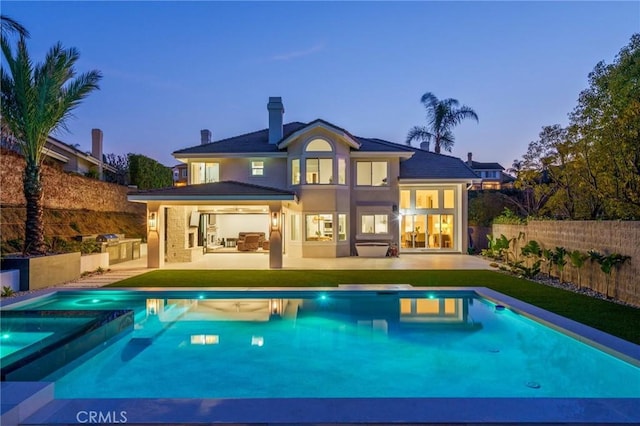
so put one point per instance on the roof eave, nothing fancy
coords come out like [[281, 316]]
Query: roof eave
[[186, 157]]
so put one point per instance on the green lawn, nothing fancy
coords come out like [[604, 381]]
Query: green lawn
[[621, 321]]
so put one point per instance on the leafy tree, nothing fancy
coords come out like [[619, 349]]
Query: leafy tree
[[121, 164], [442, 116], [607, 123], [590, 170], [147, 173], [36, 101]]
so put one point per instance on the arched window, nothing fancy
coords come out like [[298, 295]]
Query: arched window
[[319, 145]]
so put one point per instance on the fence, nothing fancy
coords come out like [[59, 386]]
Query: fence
[[606, 237]]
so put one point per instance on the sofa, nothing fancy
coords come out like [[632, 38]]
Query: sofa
[[250, 241]]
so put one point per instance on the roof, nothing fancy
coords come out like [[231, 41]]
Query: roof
[[486, 166], [429, 165], [421, 165], [226, 190], [249, 142]]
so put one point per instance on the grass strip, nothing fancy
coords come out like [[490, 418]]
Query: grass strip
[[612, 318]]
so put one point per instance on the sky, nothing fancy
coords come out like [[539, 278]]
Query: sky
[[171, 69]]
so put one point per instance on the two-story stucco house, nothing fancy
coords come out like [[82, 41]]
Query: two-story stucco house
[[313, 190]]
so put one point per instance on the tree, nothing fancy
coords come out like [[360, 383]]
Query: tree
[[9, 25], [442, 116], [121, 164], [36, 101], [606, 123]]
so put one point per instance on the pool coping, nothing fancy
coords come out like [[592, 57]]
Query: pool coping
[[364, 410]]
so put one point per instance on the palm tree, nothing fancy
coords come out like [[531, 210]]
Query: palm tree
[[442, 116], [9, 25], [36, 101]]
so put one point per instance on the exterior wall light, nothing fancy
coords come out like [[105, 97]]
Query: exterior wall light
[[153, 221], [275, 221]]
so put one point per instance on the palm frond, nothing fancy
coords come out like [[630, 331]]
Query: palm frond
[[10, 25], [420, 134]]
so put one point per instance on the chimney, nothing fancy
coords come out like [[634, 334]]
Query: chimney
[[205, 136], [469, 161], [96, 148], [276, 111]]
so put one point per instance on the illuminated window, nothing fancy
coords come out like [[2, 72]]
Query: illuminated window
[[375, 224], [319, 145], [405, 199], [449, 202], [295, 227], [371, 173], [319, 227], [257, 168], [205, 173], [295, 172], [342, 227], [342, 171], [319, 171], [427, 199]]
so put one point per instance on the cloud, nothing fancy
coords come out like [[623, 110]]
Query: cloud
[[298, 53]]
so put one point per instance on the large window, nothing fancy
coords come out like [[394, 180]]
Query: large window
[[371, 173], [205, 173], [427, 199], [375, 224], [319, 227], [257, 168], [295, 172], [319, 171]]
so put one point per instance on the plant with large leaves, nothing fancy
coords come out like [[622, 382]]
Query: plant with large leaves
[[36, 101], [442, 116]]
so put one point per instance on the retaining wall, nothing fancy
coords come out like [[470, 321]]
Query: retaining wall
[[86, 193], [606, 237]]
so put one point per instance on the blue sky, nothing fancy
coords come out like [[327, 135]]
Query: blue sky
[[174, 68]]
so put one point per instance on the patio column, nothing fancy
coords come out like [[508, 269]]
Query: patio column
[[275, 236], [155, 236]]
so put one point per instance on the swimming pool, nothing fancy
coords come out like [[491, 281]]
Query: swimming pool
[[340, 344]]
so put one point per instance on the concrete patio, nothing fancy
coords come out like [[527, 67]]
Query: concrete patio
[[260, 261]]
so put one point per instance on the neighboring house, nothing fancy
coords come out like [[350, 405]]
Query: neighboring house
[[492, 175], [314, 190], [71, 159], [180, 174]]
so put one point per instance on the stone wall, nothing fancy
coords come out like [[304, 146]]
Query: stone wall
[[63, 190], [606, 237]]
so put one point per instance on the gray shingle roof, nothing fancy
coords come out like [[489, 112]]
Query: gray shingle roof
[[486, 166], [217, 190], [423, 164], [429, 165]]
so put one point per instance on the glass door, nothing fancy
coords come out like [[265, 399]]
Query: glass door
[[440, 231], [413, 231]]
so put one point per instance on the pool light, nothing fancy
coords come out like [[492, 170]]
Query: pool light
[[95, 301], [431, 296], [6, 336]]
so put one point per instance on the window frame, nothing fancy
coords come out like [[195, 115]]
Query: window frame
[[255, 168], [374, 216], [385, 180]]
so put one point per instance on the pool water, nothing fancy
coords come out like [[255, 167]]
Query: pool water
[[334, 345], [12, 341]]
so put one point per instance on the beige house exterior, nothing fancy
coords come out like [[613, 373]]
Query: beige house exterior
[[314, 191]]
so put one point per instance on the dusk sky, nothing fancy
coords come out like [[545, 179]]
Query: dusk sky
[[173, 68]]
